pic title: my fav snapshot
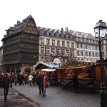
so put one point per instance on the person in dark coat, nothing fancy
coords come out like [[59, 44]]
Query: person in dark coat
[[75, 83], [6, 82], [40, 83], [0, 81], [20, 79]]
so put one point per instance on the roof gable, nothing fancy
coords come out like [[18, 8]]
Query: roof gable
[[30, 26], [27, 25], [40, 65]]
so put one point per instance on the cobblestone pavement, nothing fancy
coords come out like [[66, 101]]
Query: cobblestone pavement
[[58, 97], [15, 99]]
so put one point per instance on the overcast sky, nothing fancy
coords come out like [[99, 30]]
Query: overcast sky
[[78, 15]]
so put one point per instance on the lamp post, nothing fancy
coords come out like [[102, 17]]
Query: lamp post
[[100, 31]]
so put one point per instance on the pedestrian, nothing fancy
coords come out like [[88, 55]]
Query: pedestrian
[[42, 83], [20, 79], [25, 75], [75, 83], [11, 80], [30, 78], [34, 78], [15, 79], [6, 82]]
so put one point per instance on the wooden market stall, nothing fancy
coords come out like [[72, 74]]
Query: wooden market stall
[[65, 75], [89, 76]]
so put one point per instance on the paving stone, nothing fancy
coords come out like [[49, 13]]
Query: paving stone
[[59, 97], [14, 99]]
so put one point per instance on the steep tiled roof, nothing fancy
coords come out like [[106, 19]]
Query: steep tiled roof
[[81, 34], [69, 34], [20, 25], [54, 33]]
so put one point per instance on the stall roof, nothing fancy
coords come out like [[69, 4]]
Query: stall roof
[[48, 70], [42, 65]]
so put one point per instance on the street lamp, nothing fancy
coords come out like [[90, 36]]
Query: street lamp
[[100, 31]]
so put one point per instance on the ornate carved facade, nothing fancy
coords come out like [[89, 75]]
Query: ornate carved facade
[[21, 45]]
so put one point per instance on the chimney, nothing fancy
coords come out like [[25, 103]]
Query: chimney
[[62, 30], [66, 29], [18, 22]]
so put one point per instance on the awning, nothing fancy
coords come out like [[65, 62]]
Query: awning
[[48, 70]]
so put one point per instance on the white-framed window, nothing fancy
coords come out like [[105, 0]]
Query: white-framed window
[[68, 52], [63, 52], [81, 53], [72, 45], [86, 47], [58, 42], [68, 44], [93, 54], [53, 51], [89, 53], [96, 47], [78, 53], [86, 53], [47, 50], [53, 42], [47, 41], [42, 41], [42, 50], [63, 43], [59, 52], [81, 45], [77, 45]]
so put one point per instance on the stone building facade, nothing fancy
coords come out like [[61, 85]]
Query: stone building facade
[[55, 44], [67, 45]]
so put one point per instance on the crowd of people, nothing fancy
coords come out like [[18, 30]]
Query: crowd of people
[[8, 79], [41, 79]]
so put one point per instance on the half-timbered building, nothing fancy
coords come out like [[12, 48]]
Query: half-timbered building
[[21, 45]]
